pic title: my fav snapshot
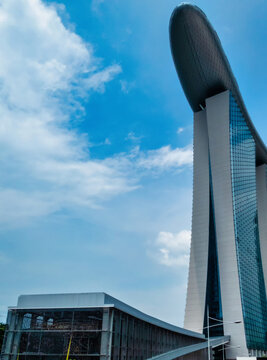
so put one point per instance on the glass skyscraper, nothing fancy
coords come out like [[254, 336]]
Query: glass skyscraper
[[228, 258], [253, 295]]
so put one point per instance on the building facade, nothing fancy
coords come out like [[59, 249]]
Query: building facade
[[228, 259], [90, 326]]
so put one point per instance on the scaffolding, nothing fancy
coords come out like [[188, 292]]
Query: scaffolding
[[81, 334]]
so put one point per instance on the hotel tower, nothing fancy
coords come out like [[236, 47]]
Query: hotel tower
[[228, 258]]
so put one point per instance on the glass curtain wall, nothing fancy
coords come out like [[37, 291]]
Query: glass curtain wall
[[252, 287], [134, 339], [50, 334], [213, 291]]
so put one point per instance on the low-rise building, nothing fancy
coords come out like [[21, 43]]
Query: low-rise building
[[88, 326]]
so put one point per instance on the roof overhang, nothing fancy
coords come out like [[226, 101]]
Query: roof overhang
[[202, 65]]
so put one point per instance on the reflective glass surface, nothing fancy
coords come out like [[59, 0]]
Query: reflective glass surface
[[213, 291], [87, 334], [252, 287], [46, 334]]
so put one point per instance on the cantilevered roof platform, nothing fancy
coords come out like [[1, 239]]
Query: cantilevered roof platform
[[202, 66]]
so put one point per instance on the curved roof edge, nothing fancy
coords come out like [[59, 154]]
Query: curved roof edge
[[194, 44], [93, 300]]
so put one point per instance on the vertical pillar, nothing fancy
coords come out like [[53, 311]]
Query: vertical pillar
[[116, 334], [261, 175], [11, 323], [106, 334], [197, 279], [17, 335], [218, 121]]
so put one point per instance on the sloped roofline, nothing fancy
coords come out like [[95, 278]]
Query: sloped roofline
[[92, 300]]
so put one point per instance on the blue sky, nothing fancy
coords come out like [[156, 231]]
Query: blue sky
[[96, 145]]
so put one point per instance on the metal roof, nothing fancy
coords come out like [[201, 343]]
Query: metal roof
[[92, 300], [202, 65], [186, 350]]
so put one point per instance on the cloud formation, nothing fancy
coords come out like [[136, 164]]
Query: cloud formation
[[166, 158], [45, 72], [133, 137], [95, 4], [172, 249], [45, 69]]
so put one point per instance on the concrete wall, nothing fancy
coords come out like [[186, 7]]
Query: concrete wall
[[196, 293], [262, 215], [217, 108], [212, 143]]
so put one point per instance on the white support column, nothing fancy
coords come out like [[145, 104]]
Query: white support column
[[262, 215], [12, 316], [197, 279], [217, 108], [17, 335], [106, 334]]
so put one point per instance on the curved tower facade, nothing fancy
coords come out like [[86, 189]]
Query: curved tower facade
[[228, 258]]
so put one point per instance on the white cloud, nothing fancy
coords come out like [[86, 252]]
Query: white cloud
[[180, 130], [126, 86], [45, 70], [166, 158], [98, 80], [133, 137], [96, 4], [107, 141], [138, 163], [173, 249]]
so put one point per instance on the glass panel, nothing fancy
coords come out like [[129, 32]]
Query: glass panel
[[33, 342], [252, 287], [59, 320], [54, 343], [85, 343], [26, 322], [87, 320], [49, 332], [23, 342], [56, 320], [213, 291]]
